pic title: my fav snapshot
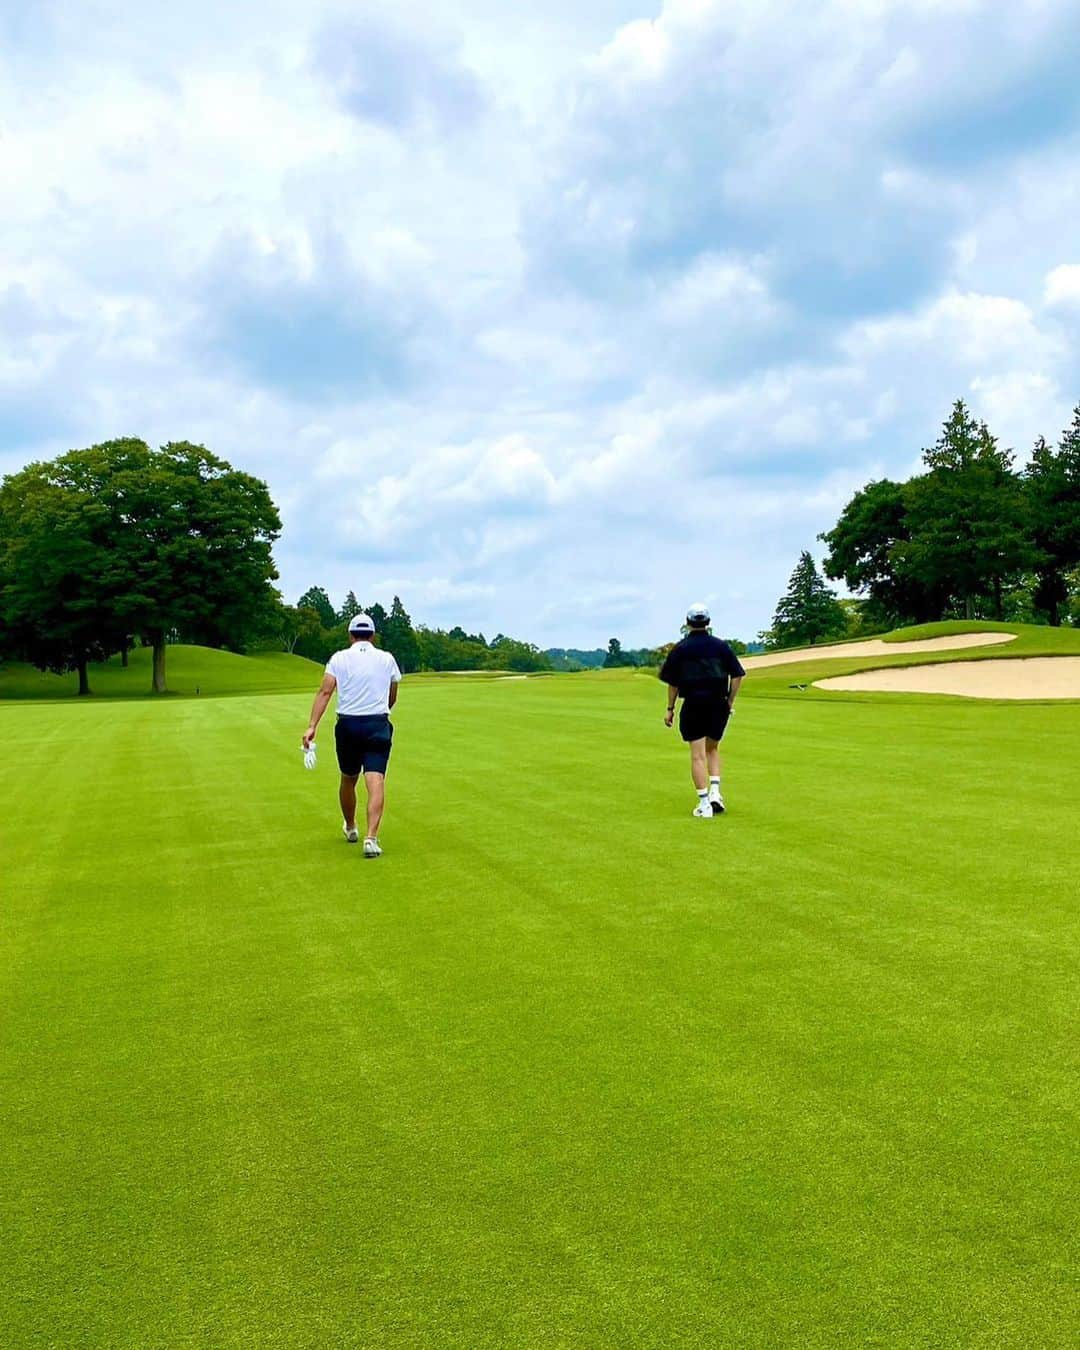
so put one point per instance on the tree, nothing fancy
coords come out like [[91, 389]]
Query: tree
[[399, 638], [1052, 499], [54, 564], [865, 553], [808, 612], [317, 599], [965, 517], [350, 606], [509, 654], [615, 655], [296, 624], [188, 540]]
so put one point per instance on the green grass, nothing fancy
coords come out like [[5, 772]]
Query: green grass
[[919, 632], [565, 1067], [212, 673], [1031, 639]]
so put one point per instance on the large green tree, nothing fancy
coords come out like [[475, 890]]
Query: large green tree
[[55, 574], [966, 519], [508, 653], [865, 552], [399, 638], [1052, 497], [188, 540], [295, 625], [317, 599], [808, 612]]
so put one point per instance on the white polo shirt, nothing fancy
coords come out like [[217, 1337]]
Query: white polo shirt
[[364, 675]]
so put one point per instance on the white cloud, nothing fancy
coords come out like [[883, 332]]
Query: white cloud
[[638, 51], [967, 328], [558, 308], [1063, 286]]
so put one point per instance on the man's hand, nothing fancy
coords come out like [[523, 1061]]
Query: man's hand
[[309, 736], [669, 717]]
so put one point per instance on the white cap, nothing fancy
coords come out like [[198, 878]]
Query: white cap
[[361, 623], [697, 614]]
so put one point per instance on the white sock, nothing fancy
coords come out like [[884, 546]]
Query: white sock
[[714, 782], [702, 794]]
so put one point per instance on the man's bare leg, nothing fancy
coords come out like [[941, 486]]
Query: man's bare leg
[[712, 755], [376, 795], [698, 769], [347, 798]]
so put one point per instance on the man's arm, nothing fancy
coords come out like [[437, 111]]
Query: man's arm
[[736, 673], [391, 698], [322, 698], [672, 695], [734, 689]]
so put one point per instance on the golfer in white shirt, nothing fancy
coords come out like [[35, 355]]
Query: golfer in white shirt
[[366, 680]]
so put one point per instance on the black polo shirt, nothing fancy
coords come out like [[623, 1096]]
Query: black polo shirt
[[701, 666]]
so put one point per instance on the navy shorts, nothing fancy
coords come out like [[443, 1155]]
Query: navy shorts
[[703, 717], [363, 743]]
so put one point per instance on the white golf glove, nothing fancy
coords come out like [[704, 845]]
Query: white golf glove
[[309, 756]]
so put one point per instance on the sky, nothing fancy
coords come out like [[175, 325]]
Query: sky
[[551, 323]]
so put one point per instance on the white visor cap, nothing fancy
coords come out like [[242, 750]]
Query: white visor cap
[[697, 614], [361, 623]]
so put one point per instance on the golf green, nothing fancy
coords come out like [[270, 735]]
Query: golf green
[[565, 1066]]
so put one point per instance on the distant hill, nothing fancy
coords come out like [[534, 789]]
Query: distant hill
[[191, 670]]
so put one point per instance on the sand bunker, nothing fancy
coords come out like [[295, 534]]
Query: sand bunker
[[1026, 677], [875, 647]]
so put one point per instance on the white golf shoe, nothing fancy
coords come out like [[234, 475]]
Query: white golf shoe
[[716, 802], [372, 849], [351, 836], [704, 810]]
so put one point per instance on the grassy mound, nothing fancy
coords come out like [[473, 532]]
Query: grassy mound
[[923, 632], [189, 669]]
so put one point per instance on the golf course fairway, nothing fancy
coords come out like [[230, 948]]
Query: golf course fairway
[[565, 1067]]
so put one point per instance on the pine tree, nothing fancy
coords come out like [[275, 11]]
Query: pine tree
[[315, 598], [965, 517], [809, 611], [1052, 494], [399, 638]]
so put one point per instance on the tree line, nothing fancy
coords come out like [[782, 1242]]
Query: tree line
[[969, 537], [612, 656], [122, 545], [314, 628]]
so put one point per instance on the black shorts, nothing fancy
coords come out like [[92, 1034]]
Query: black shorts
[[363, 744], [703, 717]]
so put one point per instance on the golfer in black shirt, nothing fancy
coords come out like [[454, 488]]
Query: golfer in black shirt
[[705, 673]]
